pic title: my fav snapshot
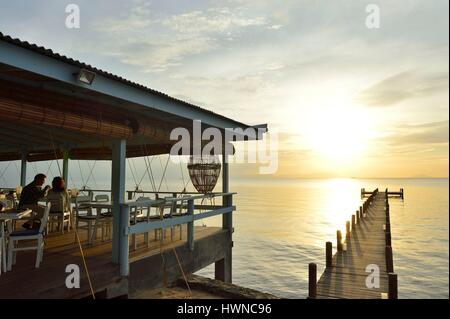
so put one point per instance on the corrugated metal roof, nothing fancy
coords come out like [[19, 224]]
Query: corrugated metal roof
[[65, 59]]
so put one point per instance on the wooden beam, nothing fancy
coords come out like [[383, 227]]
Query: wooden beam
[[117, 194]]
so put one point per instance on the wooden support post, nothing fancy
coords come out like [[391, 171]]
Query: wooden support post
[[347, 230], [329, 254], [393, 286], [389, 259], [124, 243], [361, 213], [312, 281], [117, 192], [353, 222], [339, 241], [190, 225], [23, 169], [401, 193], [223, 267], [65, 170]]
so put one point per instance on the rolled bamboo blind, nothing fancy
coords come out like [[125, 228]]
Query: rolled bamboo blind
[[37, 115], [153, 129]]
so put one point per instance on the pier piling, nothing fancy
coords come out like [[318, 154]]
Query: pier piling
[[312, 281], [339, 241], [329, 254], [393, 286]]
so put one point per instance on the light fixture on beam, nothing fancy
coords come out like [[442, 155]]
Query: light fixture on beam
[[85, 76]]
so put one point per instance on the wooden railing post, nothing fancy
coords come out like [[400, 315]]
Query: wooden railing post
[[393, 286], [353, 222], [190, 225], [339, 241], [312, 281], [329, 254], [123, 240]]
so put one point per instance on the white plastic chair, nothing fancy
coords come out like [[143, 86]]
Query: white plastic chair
[[32, 234], [61, 218], [105, 218]]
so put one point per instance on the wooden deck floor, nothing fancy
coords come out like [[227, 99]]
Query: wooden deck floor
[[347, 277], [48, 281]]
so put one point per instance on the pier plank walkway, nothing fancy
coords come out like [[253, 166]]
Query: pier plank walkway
[[365, 244]]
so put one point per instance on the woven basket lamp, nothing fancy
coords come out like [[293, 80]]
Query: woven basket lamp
[[204, 172]]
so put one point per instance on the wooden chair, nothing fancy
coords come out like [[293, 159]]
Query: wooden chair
[[32, 234]]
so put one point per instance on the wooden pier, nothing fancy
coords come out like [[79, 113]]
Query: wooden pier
[[362, 267]]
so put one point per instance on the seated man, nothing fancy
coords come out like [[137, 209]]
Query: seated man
[[30, 196]]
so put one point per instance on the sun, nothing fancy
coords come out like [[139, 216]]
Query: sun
[[337, 134]]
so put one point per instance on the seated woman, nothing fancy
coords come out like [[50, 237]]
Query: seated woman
[[59, 197]]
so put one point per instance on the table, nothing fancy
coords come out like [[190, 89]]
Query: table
[[9, 215]]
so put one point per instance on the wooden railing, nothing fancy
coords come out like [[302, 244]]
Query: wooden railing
[[194, 213]]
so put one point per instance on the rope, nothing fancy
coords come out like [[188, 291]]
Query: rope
[[182, 272], [54, 150], [4, 172], [17, 168], [165, 180], [34, 167], [164, 173], [85, 265], [91, 174], [149, 168], [81, 174], [132, 174]]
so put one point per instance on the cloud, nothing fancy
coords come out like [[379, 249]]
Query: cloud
[[211, 20], [428, 133], [403, 86], [156, 43]]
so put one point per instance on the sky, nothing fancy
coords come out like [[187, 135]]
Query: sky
[[345, 100]]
